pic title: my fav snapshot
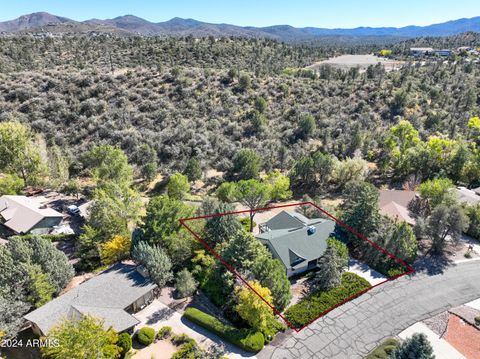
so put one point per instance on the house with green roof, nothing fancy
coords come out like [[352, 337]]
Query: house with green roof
[[297, 241]]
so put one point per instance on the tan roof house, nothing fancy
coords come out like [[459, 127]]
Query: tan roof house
[[22, 215], [394, 204]]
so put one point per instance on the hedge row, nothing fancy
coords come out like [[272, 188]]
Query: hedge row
[[316, 303], [248, 340], [384, 350]]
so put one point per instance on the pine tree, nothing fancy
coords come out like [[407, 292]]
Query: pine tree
[[329, 274], [417, 347]]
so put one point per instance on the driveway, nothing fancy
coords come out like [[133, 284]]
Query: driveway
[[157, 315], [363, 270], [354, 329]]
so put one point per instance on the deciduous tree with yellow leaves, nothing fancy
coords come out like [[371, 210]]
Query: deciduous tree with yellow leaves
[[251, 307], [115, 250]]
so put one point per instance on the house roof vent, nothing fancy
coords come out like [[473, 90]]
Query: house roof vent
[[311, 230]]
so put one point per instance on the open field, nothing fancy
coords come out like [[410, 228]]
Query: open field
[[361, 61]]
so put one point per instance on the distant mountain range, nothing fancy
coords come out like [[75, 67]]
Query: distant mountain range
[[130, 25]]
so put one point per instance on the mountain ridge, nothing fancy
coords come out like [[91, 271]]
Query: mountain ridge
[[134, 25]]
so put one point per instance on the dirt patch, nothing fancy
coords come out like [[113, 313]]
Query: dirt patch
[[360, 61], [161, 349]]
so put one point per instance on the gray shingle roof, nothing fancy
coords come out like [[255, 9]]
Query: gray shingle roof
[[467, 196], [294, 243], [104, 296]]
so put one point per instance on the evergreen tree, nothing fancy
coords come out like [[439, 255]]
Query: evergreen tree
[[156, 261], [246, 164], [417, 347], [220, 229], [329, 269], [360, 210], [185, 284]]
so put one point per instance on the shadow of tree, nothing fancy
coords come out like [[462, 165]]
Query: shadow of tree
[[162, 314], [432, 264]]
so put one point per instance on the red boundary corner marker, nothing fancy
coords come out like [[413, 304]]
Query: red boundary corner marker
[[410, 270]]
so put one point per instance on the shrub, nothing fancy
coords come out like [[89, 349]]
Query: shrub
[[125, 343], [392, 272], [272, 328], [384, 350], [146, 335], [468, 255], [477, 320], [186, 351], [164, 332], [245, 222], [185, 284], [316, 303], [245, 339], [182, 339]]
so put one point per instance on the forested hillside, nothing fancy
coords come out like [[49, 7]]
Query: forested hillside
[[206, 99]]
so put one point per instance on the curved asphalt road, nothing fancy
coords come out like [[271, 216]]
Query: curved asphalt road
[[354, 329]]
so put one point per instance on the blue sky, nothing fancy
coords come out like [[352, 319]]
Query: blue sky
[[318, 13]]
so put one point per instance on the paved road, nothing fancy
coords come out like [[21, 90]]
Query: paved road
[[354, 329]]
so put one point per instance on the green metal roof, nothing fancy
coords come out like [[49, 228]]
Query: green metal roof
[[290, 244]]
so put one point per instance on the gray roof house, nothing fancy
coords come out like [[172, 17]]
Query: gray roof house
[[110, 296], [297, 241], [468, 196], [22, 215]]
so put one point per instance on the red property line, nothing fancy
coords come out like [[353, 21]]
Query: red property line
[[216, 255]]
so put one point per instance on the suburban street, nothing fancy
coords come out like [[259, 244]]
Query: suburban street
[[355, 328]]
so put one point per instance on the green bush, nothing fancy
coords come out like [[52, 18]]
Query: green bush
[[273, 327], [50, 237], [245, 222], [186, 351], [477, 320], [384, 350], [316, 303], [209, 285], [182, 339], [146, 335], [340, 246], [125, 343], [392, 272], [164, 332], [245, 339]]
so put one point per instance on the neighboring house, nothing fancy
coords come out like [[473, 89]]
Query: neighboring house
[[22, 215], [468, 196], [394, 204], [110, 296], [443, 52], [421, 51], [298, 242]]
